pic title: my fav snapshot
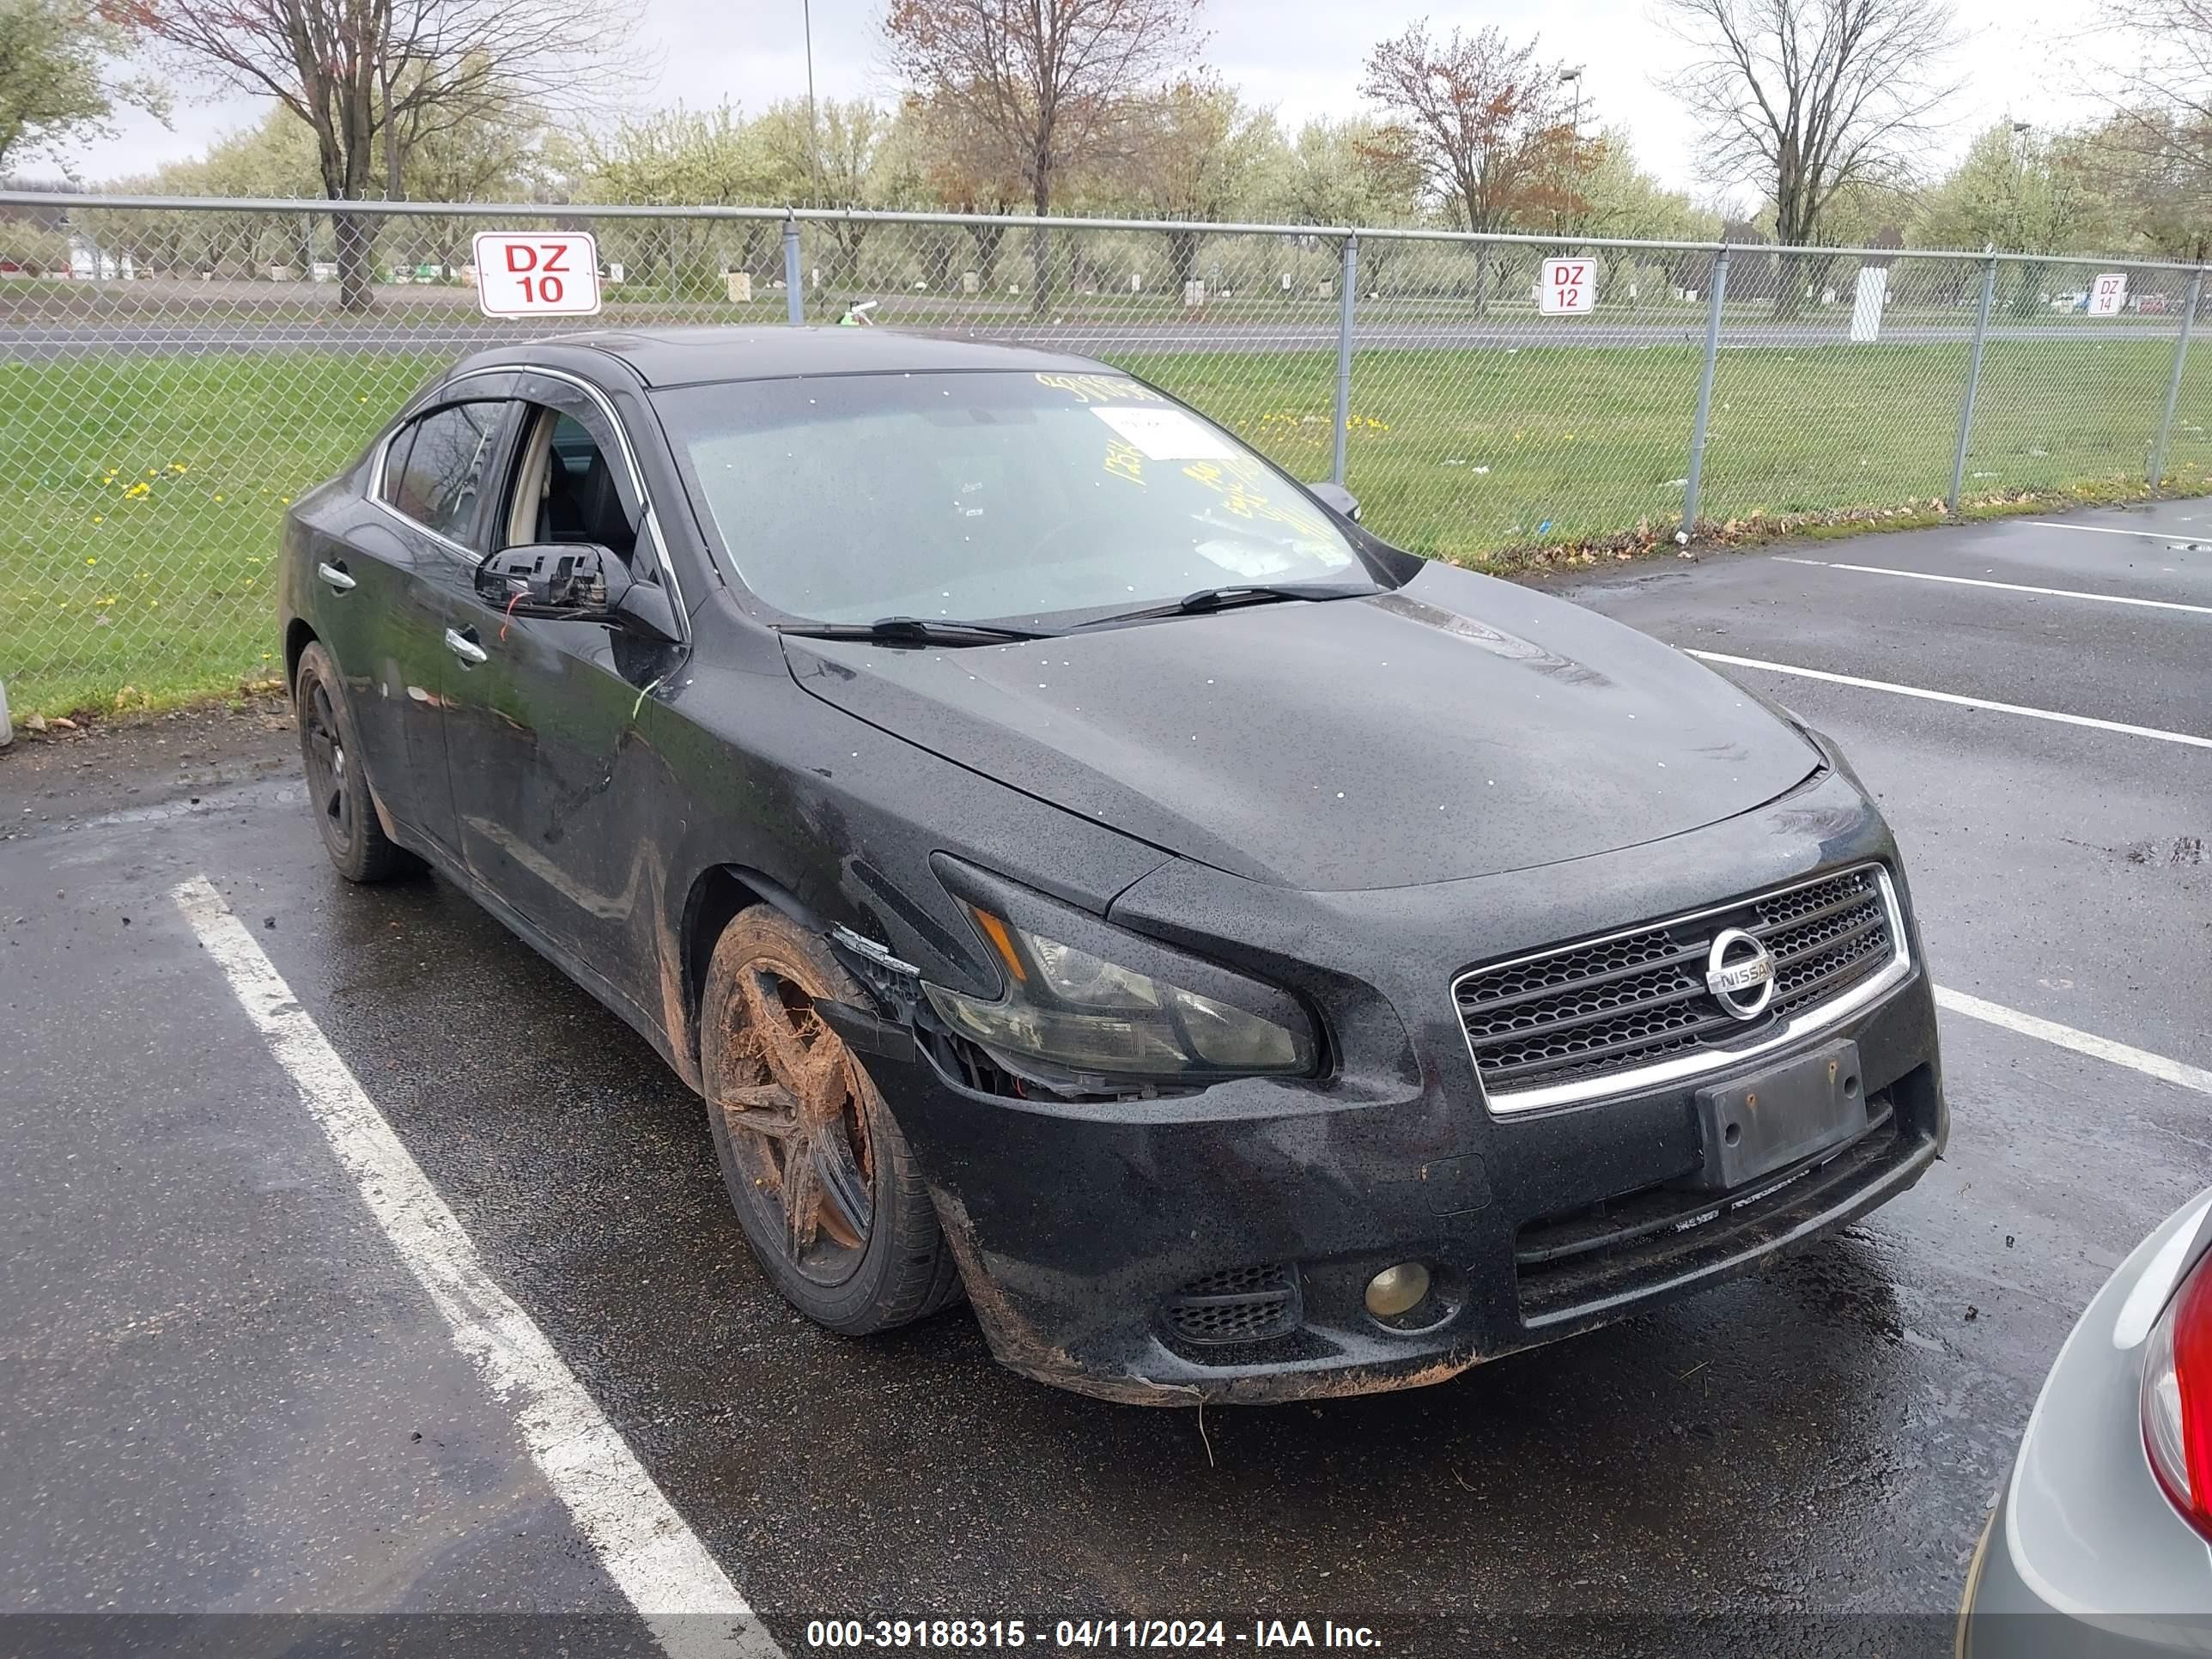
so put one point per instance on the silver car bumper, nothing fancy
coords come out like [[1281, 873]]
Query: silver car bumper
[[2083, 1555]]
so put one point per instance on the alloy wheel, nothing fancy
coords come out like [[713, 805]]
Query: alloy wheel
[[326, 765], [799, 1126]]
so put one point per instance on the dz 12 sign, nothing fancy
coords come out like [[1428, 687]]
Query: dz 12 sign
[[538, 273], [1567, 288]]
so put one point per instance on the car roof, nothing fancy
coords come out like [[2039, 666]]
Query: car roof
[[689, 356]]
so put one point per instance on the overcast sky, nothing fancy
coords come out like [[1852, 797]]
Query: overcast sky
[[1303, 58]]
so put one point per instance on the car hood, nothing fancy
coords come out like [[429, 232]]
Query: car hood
[[1458, 726]]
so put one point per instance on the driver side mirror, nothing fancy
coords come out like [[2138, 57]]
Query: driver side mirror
[[553, 579], [567, 582], [1337, 499]]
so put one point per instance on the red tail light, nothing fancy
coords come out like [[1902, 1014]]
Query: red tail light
[[2177, 1398]]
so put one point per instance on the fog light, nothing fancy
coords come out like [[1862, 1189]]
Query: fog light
[[1397, 1291]]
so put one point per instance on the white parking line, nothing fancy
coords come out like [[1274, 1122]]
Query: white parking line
[[2010, 588], [2121, 727], [2179, 539], [653, 1558], [2081, 1042]]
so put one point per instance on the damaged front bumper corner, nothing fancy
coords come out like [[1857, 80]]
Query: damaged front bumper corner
[[1217, 1247]]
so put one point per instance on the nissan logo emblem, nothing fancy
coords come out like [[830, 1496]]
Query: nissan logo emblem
[[1740, 973]]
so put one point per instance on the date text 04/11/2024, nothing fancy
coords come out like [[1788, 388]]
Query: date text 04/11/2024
[[1156, 1634]]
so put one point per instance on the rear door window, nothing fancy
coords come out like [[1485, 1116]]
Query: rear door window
[[440, 482]]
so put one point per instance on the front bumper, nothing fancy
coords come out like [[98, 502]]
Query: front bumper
[[1084, 1229], [1079, 1228], [2084, 1556]]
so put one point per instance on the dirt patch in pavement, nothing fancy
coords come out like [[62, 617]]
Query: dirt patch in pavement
[[53, 778]]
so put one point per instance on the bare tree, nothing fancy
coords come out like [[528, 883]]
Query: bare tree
[[2154, 149], [1483, 123], [1483, 119], [2152, 167], [1801, 99], [370, 77], [1041, 86]]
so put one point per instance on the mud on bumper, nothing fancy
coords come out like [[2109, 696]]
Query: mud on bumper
[[1217, 1247]]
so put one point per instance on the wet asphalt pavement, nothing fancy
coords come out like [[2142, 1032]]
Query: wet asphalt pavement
[[225, 1394]]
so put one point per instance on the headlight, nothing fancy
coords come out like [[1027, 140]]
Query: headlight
[[1067, 1007]]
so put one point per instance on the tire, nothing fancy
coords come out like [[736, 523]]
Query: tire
[[863, 1251], [337, 787]]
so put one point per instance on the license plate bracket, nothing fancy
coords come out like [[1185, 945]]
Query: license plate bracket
[[1781, 1115]]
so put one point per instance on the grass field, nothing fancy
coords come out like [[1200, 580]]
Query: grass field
[[145, 492], [143, 498], [1581, 445]]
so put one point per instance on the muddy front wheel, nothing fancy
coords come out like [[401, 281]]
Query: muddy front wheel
[[823, 1181]]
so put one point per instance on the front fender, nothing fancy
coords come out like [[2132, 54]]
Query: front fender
[[778, 798]]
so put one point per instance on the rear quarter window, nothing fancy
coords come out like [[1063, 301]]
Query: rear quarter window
[[440, 477]]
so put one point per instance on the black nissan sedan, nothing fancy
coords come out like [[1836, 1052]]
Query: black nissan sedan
[[1081, 867]]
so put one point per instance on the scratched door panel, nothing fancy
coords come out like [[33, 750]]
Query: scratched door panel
[[555, 783]]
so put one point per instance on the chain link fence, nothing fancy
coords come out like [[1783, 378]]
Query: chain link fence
[[173, 373]]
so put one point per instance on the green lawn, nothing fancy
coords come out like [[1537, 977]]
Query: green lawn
[[145, 493], [144, 497], [1583, 444]]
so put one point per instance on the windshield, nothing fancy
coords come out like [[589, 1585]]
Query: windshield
[[998, 496]]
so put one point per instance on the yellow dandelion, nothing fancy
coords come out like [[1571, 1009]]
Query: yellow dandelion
[[152, 472], [92, 561], [174, 467], [99, 518], [218, 498]]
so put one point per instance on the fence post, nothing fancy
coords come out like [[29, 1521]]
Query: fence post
[[1347, 280], [795, 297], [2173, 385], [1973, 383], [1704, 395]]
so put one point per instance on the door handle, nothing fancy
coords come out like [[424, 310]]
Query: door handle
[[465, 648], [336, 577]]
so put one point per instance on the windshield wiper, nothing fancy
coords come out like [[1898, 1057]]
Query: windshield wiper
[[1218, 598], [914, 631]]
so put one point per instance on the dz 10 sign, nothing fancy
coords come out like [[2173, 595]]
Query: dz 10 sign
[[539, 273], [1567, 288]]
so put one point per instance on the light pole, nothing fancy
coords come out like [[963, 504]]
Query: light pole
[[1574, 133], [2012, 231], [813, 129]]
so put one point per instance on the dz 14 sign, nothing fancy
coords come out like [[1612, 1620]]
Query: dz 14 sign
[[1567, 288], [2108, 294], [538, 273]]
